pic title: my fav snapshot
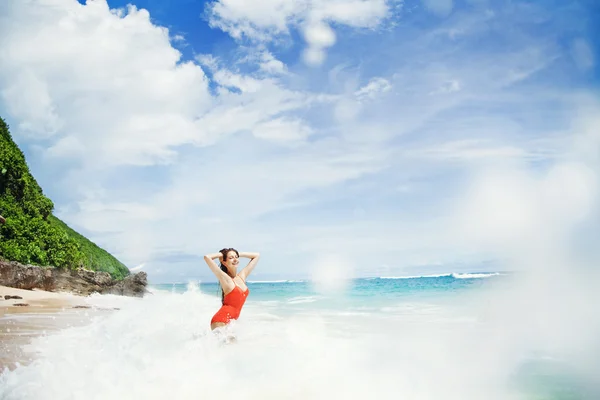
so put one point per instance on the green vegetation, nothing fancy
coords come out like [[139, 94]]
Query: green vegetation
[[31, 234]]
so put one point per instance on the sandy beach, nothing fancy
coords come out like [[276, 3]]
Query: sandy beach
[[33, 313], [34, 298]]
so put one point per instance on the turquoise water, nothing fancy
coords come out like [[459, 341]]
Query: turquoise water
[[365, 292]]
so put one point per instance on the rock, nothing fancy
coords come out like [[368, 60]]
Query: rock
[[133, 285], [8, 297], [80, 281], [20, 304], [21, 276], [99, 278], [77, 281]]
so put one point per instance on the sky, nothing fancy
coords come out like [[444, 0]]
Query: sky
[[359, 137]]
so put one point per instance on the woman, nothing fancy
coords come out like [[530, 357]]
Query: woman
[[233, 284]]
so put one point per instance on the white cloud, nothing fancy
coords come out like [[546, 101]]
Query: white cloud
[[350, 105], [373, 88], [282, 129], [271, 65], [319, 34], [251, 110], [254, 19], [112, 80], [256, 56], [261, 19], [319, 37], [28, 99], [268, 20], [245, 84]]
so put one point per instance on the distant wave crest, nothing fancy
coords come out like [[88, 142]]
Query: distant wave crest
[[474, 276], [454, 275]]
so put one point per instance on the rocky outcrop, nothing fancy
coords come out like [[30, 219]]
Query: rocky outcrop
[[21, 276], [133, 285], [80, 281]]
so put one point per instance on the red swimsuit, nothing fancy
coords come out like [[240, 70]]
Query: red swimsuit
[[232, 305]]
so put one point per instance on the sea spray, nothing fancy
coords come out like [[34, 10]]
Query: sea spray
[[331, 273], [161, 346], [535, 220]]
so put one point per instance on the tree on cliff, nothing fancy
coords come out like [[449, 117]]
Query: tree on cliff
[[29, 233]]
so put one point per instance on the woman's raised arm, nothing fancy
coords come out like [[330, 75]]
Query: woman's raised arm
[[248, 268]]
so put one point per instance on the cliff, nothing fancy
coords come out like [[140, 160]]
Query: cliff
[[36, 240]]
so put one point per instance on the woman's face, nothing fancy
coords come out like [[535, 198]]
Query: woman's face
[[231, 261]]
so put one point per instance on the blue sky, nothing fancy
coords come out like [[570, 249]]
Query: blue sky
[[365, 137]]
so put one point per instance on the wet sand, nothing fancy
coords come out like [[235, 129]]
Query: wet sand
[[44, 313]]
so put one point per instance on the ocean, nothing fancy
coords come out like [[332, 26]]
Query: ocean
[[454, 336]]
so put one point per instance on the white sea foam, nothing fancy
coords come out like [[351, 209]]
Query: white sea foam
[[474, 276], [278, 281], [455, 275], [412, 276], [302, 299]]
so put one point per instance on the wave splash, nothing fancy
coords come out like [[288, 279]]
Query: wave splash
[[161, 347]]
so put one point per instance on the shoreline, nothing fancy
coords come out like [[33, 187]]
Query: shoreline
[[44, 313]]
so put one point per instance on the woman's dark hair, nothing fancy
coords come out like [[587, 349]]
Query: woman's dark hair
[[224, 268]]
